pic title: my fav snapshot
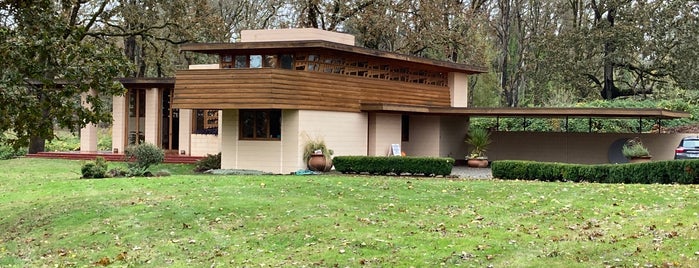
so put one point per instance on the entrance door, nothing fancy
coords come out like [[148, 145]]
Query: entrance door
[[170, 123]]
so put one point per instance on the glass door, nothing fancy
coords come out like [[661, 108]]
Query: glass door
[[137, 113], [169, 122]]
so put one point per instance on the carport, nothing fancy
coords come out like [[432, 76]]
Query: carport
[[565, 146]]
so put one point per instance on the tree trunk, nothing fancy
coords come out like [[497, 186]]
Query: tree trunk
[[36, 144], [609, 91]]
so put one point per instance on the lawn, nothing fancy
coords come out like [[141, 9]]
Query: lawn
[[50, 217]]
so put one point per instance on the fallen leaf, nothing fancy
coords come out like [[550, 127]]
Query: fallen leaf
[[121, 256], [103, 261]]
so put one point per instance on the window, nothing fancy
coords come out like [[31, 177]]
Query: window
[[206, 122], [241, 61], [405, 127], [255, 61], [270, 61], [260, 124], [287, 61]]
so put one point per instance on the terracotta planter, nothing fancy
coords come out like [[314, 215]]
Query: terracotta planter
[[477, 163], [642, 159], [318, 162]]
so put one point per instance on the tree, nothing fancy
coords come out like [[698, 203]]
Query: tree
[[49, 60], [617, 48], [151, 31]]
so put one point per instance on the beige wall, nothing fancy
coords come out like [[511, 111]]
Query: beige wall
[[452, 137], [292, 146], [424, 136], [201, 144], [345, 133], [151, 128], [118, 123], [584, 148], [458, 87], [384, 130], [302, 34], [185, 131], [432, 135], [88, 134], [204, 66]]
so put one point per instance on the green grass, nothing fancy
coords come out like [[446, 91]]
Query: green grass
[[49, 217]]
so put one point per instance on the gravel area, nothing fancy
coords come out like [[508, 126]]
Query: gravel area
[[471, 173]]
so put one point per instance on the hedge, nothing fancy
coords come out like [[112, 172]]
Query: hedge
[[666, 172], [384, 165]]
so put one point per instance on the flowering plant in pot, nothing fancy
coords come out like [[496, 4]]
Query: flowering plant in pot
[[478, 139]]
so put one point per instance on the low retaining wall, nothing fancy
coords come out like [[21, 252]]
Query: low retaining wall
[[581, 148]]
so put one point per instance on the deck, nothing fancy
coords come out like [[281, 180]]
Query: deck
[[109, 156]]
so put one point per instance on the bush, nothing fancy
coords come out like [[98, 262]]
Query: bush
[[7, 152], [672, 171], [95, 170], [143, 156], [383, 165], [211, 161]]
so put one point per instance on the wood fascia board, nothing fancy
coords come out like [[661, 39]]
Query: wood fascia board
[[532, 112]]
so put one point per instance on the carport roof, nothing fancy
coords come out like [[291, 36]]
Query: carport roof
[[531, 112]]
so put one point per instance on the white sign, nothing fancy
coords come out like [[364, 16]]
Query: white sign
[[395, 149]]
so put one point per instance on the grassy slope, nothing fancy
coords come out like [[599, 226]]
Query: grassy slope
[[49, 217]]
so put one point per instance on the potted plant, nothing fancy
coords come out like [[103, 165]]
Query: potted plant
[[479, 139], [634, 150], [317, 155]]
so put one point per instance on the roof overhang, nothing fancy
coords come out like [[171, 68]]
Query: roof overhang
[[148, 82], [261, 47], [530, 112]]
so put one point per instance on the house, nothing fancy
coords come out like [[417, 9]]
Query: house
[[275, 89]]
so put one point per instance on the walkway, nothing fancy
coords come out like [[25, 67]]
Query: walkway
[[471, 173]]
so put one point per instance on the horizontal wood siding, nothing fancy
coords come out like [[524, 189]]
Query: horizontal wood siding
[[287, 89]]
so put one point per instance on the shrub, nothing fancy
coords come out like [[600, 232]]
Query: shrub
[[479, 139], [7, 152], [634, 148], [143, 156], [211, 161], [673, 171], [383, 165], [97, 169]]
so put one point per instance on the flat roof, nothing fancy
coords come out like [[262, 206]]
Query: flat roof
[[148, 82], [261, 47], [531, 112]]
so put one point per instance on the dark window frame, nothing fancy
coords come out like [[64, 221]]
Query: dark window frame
[[259, 120], [405, 128]]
